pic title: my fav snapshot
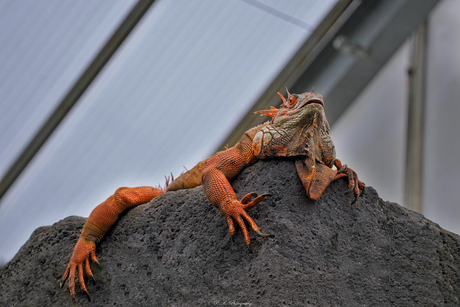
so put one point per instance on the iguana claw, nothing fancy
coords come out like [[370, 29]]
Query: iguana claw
[[354, 184], [351, 188], [355, 201], [357, 196], [260, 233], [87, 295], [342, 169]]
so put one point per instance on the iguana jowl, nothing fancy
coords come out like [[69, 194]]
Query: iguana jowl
[[298, 129]]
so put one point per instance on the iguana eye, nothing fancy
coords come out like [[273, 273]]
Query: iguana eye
[[291, 101]]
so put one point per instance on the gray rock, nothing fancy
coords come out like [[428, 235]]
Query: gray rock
[[176, 251]]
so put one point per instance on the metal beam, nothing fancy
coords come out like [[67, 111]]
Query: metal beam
[[378, 28], [413, 191], [74, 94], [343, 54], [294, 68]]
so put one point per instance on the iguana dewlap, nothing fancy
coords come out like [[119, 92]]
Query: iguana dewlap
[[298, 129]]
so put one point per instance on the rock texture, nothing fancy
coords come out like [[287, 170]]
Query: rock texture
[[176, 251]]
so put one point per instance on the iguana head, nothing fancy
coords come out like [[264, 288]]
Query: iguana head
[[298, 128], [299, 110]]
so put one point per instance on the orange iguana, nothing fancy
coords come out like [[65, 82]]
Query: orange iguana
[[298, 129]]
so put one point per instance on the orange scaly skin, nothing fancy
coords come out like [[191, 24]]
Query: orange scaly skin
[[98, 223], [224, 166], [298, 130]]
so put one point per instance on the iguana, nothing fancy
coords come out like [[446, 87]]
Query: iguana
[[298, 129]]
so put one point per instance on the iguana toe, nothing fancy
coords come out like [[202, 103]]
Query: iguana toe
[[236, 210], [248, 197], [351, 188]]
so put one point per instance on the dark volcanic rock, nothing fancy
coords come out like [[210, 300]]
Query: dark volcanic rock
[[176, 251]]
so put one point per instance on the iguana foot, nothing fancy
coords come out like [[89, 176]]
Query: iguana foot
[[83, 251], [237, 210], [354, 184]]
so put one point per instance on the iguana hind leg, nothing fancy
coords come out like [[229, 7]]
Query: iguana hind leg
[[98, 223]]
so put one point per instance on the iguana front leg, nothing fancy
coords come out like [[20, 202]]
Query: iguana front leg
[[98, 223], [218, 170]]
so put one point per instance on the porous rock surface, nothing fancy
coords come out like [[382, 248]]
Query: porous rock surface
[[176, 251]]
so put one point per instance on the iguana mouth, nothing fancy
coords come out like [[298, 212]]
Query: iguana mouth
[[313, 101]]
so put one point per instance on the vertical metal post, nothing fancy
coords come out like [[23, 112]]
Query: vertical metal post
[[416, 121]]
